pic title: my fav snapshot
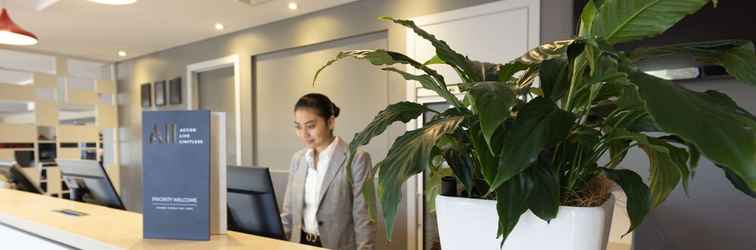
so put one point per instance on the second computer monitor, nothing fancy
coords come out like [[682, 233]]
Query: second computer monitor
[[252, 205], [16, 176], [89, 181]]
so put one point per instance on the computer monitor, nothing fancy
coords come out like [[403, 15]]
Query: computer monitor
[[252, 205], [47, 152], [17, 177], [24, 158], [89, 182]]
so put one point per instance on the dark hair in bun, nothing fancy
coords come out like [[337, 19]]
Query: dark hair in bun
[[323, 106]]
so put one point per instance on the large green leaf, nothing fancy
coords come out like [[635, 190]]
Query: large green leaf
[[540, 123], [666, 170], [638, 199], [408, 155], [375, 57], [737, 56], [590, 10], [507, 71], [511, 203], [492, 101], [631, 113], [488, 160], [457, 155], [398, 112], [530, 61], [690, 155], [737, 182], [434, 60], [544, 198], [618, 150], [428, 82], [544, 52], [445, 53], [555, 78], [627, 20], [431, 80], [667, 163], [722, 131], [740, 61], [368, 190]]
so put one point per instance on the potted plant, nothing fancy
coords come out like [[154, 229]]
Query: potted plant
[[531, 154]]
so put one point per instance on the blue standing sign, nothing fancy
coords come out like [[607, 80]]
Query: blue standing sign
[[176, 174]]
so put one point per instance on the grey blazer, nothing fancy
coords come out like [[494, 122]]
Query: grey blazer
[[343, 213]]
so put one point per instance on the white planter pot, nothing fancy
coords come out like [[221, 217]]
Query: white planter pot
[[465, 223]]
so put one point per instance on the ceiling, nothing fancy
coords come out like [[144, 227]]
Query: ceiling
[[95, 31]]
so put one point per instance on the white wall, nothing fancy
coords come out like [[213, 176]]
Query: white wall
[[216, 93]]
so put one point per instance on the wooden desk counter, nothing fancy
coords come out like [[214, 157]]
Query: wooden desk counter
[[106, 228]]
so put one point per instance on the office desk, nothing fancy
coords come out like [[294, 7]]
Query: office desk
[[106, 228]]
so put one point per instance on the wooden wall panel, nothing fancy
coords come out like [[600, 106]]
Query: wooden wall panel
[[106, 116], [10, 92], [81, 97], [45, 80], [18, 133], [46, 113], [105, 86], [74, 133]]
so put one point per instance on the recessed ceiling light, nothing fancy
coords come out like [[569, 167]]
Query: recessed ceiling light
[[114, 2], [26, 82], [293, 6], [218, 26], [122, 53]]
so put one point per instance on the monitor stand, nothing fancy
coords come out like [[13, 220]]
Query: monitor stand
[[77, 194]]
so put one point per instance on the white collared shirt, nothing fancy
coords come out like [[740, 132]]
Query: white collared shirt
[[313, 183]]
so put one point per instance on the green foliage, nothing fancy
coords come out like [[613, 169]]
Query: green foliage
[[638, 197], [529, 147], [408, 156], [623, 21]]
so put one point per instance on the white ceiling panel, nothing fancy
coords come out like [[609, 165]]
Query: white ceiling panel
[[96, 31]]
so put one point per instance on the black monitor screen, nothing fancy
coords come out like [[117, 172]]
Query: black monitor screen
[[24, 158], [21, 182], [89, 182], [47, 152], [252, 206]]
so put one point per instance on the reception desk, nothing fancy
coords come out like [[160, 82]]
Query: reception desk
[[102, 227]]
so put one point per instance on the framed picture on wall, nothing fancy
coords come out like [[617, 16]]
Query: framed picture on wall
[[146, 95], [174, 93], [160, 93]]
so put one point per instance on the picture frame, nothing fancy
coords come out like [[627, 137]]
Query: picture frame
[[160, 90], [174, 93], [146, 95]]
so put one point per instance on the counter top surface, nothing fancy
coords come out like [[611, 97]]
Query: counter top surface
[[107, 228]]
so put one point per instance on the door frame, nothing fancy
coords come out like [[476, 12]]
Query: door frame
[[191, 89]]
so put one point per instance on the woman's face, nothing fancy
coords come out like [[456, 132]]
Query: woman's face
[[312, 130]]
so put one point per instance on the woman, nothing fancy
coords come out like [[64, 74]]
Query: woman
[[320, 208]]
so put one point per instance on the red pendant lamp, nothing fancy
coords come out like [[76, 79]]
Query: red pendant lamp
[[12, 34]]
